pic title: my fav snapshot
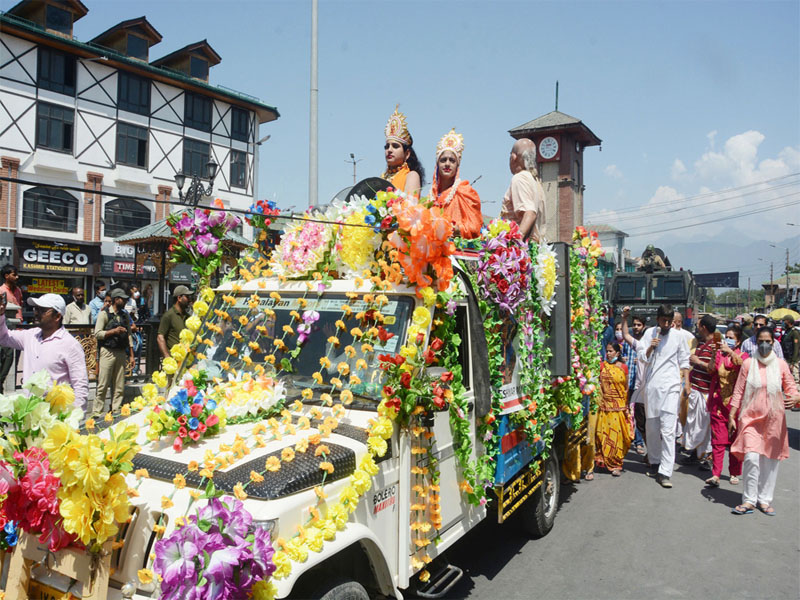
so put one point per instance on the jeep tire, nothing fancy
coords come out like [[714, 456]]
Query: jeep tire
[[340, 589], [539, 513]]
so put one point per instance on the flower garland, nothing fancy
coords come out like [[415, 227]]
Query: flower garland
[[545, 267], [504, 269], [304, 248]]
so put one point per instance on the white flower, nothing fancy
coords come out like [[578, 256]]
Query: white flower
[[38, 383], [40, 418], [74, 418], [6, 406]]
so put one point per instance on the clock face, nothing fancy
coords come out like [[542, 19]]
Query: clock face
[[548, 147]]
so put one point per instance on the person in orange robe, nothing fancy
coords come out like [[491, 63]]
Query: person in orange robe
[[403, 169], [456, 197]]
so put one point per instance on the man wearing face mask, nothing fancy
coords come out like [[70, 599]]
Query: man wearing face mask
[[113, 333], [96, 304], [78, 312], [750, 345], [173, 321], [667, 362]]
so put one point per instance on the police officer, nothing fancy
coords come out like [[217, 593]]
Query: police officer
[[113, 333]]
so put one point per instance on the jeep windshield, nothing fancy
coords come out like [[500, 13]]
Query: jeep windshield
[[250, 332]]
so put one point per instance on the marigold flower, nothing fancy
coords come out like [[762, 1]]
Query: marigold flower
[[166, 503], [256, 477], [273, 464], [327, 467], [179, 481], [321, 449], [145, 576], [238, 492]]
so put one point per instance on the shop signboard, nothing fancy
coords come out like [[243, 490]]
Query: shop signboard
[[6, 247], [181, 274], [48, 286], [51, 257]]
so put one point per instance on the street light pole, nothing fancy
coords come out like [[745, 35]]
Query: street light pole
[[313, 161], [354, 162], [196, 189]]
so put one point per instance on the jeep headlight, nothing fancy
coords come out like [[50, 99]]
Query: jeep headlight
[[269, 524]]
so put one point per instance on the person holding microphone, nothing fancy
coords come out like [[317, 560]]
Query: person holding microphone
[[667, 362]]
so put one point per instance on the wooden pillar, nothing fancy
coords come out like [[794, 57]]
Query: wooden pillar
[[9, 194]]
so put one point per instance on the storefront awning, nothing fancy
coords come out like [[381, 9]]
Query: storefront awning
[[160, 232]]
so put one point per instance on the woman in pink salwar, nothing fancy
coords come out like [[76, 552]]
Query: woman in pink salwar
[[764, 389], [726, 361]]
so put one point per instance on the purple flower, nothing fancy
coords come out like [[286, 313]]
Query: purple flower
[[207, 244], [175, 559], [310, 316], [217, 217], [450, 309], [186, 223]]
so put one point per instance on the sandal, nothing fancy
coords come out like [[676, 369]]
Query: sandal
[[616, 473], [640, 450], [713, 481], [743, 509], [589, 476], [767, 510], [734, 480]]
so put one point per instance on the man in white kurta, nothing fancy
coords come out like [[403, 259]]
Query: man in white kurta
[[667, 359]]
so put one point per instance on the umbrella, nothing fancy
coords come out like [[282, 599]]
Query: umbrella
[[780, 313]]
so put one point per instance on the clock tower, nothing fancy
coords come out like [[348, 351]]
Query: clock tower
[[560, 141]]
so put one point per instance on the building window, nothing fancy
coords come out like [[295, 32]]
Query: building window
[[137, 47], [240, 124], [133, 93], [238, 169], [54, 126], [198, 112], [58, 19], [122, 216], [198, 68], [49, 208], [131, 145], [195, 157], [56, 71]]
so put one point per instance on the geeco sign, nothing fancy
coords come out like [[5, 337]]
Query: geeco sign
[[56, 257]]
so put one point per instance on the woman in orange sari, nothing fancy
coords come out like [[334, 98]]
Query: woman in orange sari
[[403, 169], [613, 434], [456, 197]]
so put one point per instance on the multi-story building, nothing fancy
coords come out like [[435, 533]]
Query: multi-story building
[[79, 118]]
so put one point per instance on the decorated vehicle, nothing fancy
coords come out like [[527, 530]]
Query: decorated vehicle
[[363, 395]]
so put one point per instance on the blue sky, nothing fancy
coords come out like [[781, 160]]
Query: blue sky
[[689, 98]]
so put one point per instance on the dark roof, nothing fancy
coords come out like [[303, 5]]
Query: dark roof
[[142, 22], [160, 232], [202, 46], [78, 7], [20, 26], [553, 121], [603, 228]]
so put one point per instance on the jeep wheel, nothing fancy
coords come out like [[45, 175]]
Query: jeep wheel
[[341, 589], [539, 513]]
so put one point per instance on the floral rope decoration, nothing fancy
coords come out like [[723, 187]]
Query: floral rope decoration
[[504, 270]]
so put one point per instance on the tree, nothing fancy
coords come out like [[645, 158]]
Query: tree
[[795, 268]]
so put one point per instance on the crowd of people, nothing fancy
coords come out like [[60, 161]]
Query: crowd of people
[[665, 388], [117, 316]]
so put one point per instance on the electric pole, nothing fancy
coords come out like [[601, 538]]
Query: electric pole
[[354, 162], [313, 147], [771, 286], [786, 300]]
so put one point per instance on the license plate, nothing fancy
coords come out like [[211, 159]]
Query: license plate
[[42, 591]]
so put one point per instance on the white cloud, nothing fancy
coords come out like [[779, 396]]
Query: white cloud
[[698, 194], [678, 169], [613, 171]]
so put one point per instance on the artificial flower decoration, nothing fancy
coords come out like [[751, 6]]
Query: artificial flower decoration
[[504, 269], [546, 268]]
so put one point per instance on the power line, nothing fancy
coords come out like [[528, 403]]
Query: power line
[[646, 213], [705, 194], [717, 219], [720, 217]]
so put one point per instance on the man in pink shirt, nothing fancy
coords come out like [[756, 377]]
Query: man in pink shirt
[[49, 346]]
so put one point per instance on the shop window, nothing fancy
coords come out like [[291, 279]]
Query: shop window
[[58, 19], [54, 126], [137, 47], [240, 124], [56, 71], [198, 112], [49, 208], [198, 68], [131, 145], [123, 215], [238, 169], [133, 93], [195, 157]]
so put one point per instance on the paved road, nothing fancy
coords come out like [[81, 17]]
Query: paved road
[[629, 538]]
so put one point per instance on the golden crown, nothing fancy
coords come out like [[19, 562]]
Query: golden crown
[[451, 141], [397, 129]]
